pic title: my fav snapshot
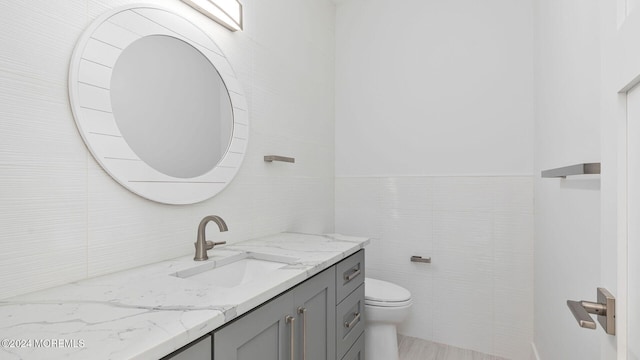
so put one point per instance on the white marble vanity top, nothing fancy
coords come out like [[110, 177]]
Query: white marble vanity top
[[146, 313]]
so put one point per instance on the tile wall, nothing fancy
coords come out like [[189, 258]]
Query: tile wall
[[478, 291]]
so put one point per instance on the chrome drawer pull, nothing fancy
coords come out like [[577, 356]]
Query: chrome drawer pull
[[303, 311], [352, 275], [291, 320], [353, 322]]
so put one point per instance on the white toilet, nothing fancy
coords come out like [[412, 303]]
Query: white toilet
[[386, 305]]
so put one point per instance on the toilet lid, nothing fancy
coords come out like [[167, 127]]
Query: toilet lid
[[378, 291], [387, 304]]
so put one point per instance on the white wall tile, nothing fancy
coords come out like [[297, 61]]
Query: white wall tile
[[463, 316], [478, 291], [420, 322], [408, 226], [508, 195], [414, 193], [43, 226], [511, 309], [42, 161], [363, 221], [474, 194]]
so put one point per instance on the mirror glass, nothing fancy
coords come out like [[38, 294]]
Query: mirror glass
[[171, 106]]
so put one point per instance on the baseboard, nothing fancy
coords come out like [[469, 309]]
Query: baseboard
[[534, 352]]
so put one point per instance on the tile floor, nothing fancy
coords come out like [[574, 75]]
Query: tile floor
[[417, 349]]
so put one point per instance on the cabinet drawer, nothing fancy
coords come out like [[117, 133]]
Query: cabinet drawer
[[357, 350], [349, 321], [349, 275]]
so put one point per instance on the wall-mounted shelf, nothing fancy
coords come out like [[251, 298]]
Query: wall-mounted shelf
[[578, 169], [271, 158]]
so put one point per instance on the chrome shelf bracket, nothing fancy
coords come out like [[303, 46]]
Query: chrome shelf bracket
[[578, 169]]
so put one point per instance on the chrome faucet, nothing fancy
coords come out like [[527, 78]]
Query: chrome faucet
[[202, 245]]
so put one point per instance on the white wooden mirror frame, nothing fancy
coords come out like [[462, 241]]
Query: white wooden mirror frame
[[90, 71]]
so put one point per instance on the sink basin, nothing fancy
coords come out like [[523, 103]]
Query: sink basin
[[239, 271]]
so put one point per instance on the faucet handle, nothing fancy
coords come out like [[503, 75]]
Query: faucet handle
[[210, 244]]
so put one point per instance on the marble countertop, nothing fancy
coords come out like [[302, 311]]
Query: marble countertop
[[148, 312]]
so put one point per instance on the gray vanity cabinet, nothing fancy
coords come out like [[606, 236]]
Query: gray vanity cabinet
[[198, 350], [263, 334], [266, 333], [357, 350], [315, 302]]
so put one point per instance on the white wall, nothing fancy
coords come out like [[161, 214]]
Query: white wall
[[567, 224], [434, 87], [434, 153], [63, 219]]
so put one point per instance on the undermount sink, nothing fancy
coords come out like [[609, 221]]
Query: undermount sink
[[238, 271]]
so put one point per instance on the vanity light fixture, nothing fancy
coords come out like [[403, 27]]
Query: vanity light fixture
[[227, 13]]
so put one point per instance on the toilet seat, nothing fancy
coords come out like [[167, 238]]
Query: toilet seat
[[388, 303], [385, 294]]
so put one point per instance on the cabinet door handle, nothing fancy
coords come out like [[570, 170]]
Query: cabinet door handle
[[303, 311], [352, 275], [352, 323], [291, 320]]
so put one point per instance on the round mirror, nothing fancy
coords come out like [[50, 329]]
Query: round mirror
[[188, 107], [158, 105]]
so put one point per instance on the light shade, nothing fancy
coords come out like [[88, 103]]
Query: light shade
[[227, 13]]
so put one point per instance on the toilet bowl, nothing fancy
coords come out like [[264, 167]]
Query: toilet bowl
[[386, 305]]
